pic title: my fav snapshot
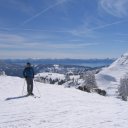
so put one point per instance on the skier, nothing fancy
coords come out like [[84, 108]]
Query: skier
[[28, 74]]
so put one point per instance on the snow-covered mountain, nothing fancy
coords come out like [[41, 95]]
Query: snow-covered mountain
[[109, 78], [58, 107]]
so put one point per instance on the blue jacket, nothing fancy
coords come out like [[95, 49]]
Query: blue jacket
[[28, 72]]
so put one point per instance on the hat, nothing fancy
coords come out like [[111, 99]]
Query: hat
[[28, 63]]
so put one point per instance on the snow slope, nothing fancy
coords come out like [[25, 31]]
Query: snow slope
[[109, 78], [58, 107]]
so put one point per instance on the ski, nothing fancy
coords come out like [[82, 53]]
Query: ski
[[34, 96]]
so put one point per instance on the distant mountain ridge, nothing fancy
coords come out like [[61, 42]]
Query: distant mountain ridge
[[80, 62], [14, 67]]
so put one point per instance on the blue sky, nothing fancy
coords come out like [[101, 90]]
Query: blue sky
[[63, 28]]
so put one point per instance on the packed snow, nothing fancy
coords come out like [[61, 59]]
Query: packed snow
[[109, 77], [57, 107]]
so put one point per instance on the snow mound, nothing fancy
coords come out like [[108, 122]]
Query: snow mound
[[109, 78]]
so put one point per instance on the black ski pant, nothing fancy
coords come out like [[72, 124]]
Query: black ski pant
[[29, 85]]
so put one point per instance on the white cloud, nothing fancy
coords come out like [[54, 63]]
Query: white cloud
[[16, 46], [11, 38], [44, 11], [118, 8], [69, 45], [107, 25], [49, 54], [13, 41], [90, 31], [121, 41], [122, 34], [20, 5]]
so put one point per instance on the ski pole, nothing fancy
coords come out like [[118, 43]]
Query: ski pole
[[37, 89], [23, 87]]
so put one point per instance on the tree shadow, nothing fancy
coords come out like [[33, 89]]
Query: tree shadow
[[14, 98]]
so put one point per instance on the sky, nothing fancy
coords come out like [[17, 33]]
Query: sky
[[77, 29]]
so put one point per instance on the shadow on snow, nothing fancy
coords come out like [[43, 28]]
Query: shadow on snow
[[13, 98]]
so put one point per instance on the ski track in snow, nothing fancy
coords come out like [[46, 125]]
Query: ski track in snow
[[58, 107]]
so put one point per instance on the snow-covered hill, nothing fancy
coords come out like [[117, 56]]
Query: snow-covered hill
[[109, 78], [58, 107]]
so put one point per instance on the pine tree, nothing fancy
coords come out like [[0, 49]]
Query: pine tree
[[89, 81], [123, 88]]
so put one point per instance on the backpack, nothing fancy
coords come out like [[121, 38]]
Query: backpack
[[28, 72]]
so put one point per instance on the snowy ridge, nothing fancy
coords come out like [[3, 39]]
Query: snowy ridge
[[109, 77], [58, 107]]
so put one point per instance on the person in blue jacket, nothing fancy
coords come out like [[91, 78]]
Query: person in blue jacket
[[28, 74]]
